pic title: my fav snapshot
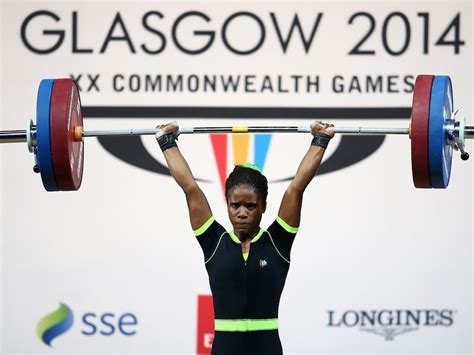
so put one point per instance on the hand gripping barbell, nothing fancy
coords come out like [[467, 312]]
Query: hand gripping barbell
[[57, 138]]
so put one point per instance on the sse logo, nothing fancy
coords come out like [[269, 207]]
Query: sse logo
[[61, 320], [55, 324]]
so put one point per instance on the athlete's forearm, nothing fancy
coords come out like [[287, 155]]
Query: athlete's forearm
[[290, 207], [198, 207], [307, 169], [179, 169]]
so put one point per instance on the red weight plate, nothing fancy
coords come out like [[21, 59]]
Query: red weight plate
[[419, 131], [68, 154]]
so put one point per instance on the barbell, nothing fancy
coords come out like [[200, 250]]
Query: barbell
[[57, 138]]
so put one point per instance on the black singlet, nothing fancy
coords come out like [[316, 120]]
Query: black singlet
[[246, 293]]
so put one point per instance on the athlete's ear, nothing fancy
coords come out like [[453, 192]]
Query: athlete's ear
[[264, 206]]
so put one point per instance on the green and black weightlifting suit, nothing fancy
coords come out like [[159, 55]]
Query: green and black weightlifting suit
[[246, 293]]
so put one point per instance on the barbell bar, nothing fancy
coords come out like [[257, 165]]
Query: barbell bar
[[20, 136], [57, 138]]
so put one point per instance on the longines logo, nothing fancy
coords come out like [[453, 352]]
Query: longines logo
[[391, 322]]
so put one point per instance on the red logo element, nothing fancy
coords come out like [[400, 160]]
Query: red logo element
[[219, 145], [205, 324]]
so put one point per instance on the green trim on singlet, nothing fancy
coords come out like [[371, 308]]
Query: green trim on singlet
[[234, 237], [274, 245], [258, 236], [286, 226], [217, 246], [204, 227], [245, 325], [237, 240]]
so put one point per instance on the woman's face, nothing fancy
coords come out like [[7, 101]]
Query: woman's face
[[245, 208]]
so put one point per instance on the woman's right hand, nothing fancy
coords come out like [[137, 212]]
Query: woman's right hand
[[321, 127], [170, 127]]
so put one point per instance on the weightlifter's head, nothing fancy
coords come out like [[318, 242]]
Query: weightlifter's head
[[246, 191]]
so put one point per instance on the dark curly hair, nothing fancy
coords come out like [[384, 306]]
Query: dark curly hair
[[247, 175]]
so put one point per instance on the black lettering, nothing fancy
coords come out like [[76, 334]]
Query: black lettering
[[312, 83], [407, 33], [409, 81], [124, 37], [346, 318], [356, 50], [93, 82], [147, 26], [446, 317], [456, 42], [193, 83], [392, 81], [267, 84], [331, 323], [153, 84], [399, 316], [210, 34], [281, 89], [426, 26], [354, 85], [296, 24], [249, 83], [209, 82], [230, 82], [388, 319], [413, 318], [116, 86], [374, 85], [134, 83], [369, 317], [176, 85], [431, 317], [58, 33], [338, 84], [75, 48], [296, 79], [260, 41]]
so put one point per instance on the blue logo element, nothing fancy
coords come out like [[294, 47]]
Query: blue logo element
[[55, 324]]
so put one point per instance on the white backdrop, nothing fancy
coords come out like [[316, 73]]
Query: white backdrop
[[123, 244]]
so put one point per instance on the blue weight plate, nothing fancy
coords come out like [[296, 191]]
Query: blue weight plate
[[440, 152], [43, 135]]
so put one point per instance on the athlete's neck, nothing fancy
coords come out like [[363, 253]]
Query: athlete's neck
[[247, 238]]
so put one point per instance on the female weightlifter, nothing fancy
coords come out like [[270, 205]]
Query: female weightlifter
[[247, 266]]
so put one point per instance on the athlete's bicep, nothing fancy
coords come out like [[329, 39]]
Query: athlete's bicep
[[290, 207], [198, 207]]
